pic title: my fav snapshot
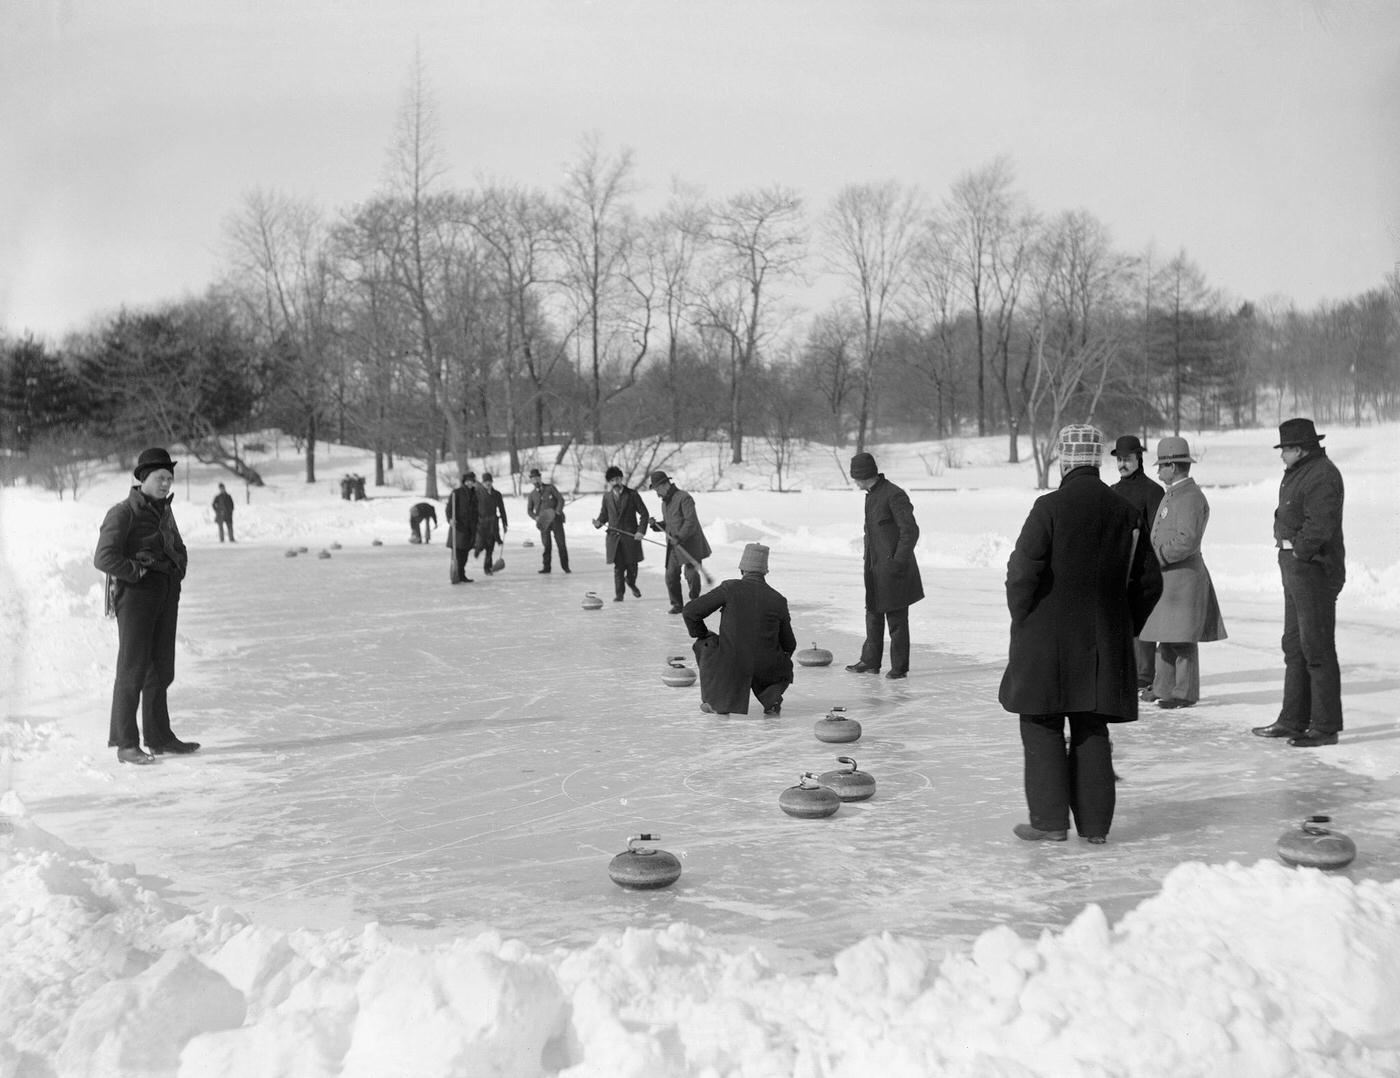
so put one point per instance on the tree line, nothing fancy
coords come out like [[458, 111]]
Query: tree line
[[441, 322]]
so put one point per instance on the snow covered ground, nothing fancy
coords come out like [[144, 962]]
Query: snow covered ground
[[390, 857]]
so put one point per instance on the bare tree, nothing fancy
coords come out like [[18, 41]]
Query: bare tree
[[871, 234]]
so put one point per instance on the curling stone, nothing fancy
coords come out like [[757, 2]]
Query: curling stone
[[380, 542], [302, 550], [676, 674], [850, 783], [291, 553], [498, 565], [591, 601], [836, 727], [813, 656], [809, 799], [335, 546], [1314, 846], [324, 554], [528, 542], [642, 868]]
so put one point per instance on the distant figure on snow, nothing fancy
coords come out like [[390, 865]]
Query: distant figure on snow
[[1144, 495], [545, 506], [223, 512], [892, 581], [681, 524], [753, 649], [625, 515], [1079, 585], [424, 515], [140, 547]]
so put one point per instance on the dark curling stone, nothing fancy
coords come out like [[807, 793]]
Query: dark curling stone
[[291, 554], [324, 554], [528, 542], [813, 656], [335, 546], [302, 550], [591, 601], [642, 868], [809, 799], [676, 674], [498, 565], [836, 727], [380, 542], [850, 783], [1314, 846]]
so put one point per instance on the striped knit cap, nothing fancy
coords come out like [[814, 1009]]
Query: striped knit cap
[[1081, 445]]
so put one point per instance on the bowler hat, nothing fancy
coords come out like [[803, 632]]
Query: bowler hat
[[1174, 450], [754, 559], [1128, 445], [152, 460], [863, 466], [659, 479], [534, 473], [1297, 432]]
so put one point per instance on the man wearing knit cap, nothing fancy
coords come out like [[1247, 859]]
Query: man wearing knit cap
[[1079, 586], [892, 581], [141, 551], [753, 650], [1312, 560]]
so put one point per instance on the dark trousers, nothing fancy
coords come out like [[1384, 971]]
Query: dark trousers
[[551, 535], [225, 524], [460, 554], [624, 574], [426, 536], [674, 565], [1076, 779], [1145, 652], [1312, 679], [1178, 674], [872, 652], [146, 616]]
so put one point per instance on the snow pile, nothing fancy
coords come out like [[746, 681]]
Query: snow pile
[[103, 977]]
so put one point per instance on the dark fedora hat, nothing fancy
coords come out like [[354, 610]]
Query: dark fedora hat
[[152, 460], [659, 479], [1297, 432], [1128, 445]]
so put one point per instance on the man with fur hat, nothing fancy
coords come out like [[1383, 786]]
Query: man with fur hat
[[625, 515], [141, 551], [681, 524], [1144, 495], [892, 580], [1079, 585], [545, 506], [1187, 612], [1312, 561], [753, 650]]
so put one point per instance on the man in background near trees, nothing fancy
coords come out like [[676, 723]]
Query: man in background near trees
[[1079, 585], [493, 521], [1187, 614], [141, 549], [1145, 496], [1312, 561], [681, 524], [625, 515], [892, 580], [545, 506], [223, 513], [423, 515], [463, 518], [753, 650]]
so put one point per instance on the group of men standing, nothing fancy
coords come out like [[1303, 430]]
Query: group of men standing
[[476, 524]]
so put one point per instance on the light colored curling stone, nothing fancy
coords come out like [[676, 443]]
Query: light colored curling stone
[[850, 783], [813, 656], [809, 799], [324, 554], [591, 601], [1314, 846], [641, 868], [836, 727], [676, 674]]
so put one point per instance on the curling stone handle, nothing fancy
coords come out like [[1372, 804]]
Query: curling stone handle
[[1313, 825], [646, 836], [808, 780], [848, 760]]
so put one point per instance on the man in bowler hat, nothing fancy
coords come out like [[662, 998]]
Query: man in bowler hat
[[892, 581], [1312, 562], [1145, 496], [681, 523], [545, 506]]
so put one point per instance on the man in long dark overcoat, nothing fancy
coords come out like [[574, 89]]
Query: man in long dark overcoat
[[1080, 584], [625, 516], [1145, 495], [892, 580], [753, 650], [494, 524], [463, 515]]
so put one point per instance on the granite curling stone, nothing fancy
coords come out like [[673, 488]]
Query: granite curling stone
[[1312, 845], [836, 728], [641, 868], [591, 601], [849, 783], [676, 674], [813, 656], [809, 799]]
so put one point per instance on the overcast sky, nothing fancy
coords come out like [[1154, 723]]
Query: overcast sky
[[1262, 137]]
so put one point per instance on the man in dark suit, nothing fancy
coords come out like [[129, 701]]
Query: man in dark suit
[[545, 506], [1145, 495], [625, 515], [493, 521], [223, 513], [1080, 584], [681, 523], [892, 581], [463, 519]]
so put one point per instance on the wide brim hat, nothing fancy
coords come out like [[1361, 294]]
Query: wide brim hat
[[658, 479], [1127, 446], [1174, 450], [1297, 432], [534, 473], [152, 460]]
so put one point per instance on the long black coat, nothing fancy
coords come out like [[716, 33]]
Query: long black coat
[[624, 510], [1080, 584], [755, 641], [463, 517], [892, 579], [1309, 514], [1143, 492]]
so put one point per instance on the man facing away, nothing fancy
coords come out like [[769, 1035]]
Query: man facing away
[[223, 513], [1144, 495], [681, 524], [1312, 562], [892, 581], [423, 515], [625, 516], [1079, 585], [753, 649], [545, 506]]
